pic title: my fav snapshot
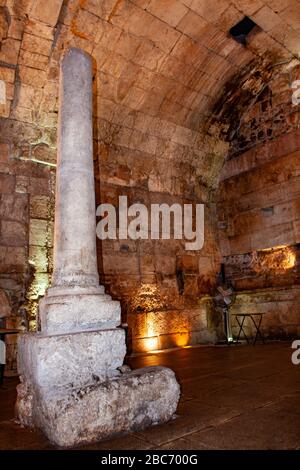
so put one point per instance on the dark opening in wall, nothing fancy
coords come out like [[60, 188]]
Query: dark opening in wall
[[240, 31], [268, 210], [180, 281]]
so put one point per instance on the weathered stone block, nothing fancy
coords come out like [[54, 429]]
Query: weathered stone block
[[13, 259], [38, 232], [85, 25], [73, 417], [32, 59], [10, 51], [165, 265], [168, 11], [39, 29], [70, 360], [22, 183], [43, 152], [7, 74], [36, 44], [16, 28], [47, 12], [7, 183], [5, 307], [39, 206], [101, 8], [32, 76], [13, 233], [38, 256], [78, 311], [14, 207]]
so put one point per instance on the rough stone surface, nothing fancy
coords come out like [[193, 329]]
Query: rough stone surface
[[67, 388], [63, 313], [75, 259], [158, 73], [76, 416], [160, 118], [5, 307], [259, 231], [280, 307], [70, 359]]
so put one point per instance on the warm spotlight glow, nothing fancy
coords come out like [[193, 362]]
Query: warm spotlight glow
[[181, 339], [151, 344], [290, 259], [39, 285], [148, 298], [278, 259], [157, 329]]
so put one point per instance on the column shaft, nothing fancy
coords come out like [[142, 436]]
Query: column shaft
[[75, 225], [75, 301]]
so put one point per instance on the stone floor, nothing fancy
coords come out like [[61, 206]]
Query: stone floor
[[238, 397]]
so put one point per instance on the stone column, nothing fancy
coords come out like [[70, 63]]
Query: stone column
[[75, 223], [75, 300], [71, 382]]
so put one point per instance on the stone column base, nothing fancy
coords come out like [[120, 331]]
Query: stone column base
[[70, 360], [75, 416], [76, 309]]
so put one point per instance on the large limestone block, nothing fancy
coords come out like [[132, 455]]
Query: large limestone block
[[69, 360], [77, 310], [130, 402]]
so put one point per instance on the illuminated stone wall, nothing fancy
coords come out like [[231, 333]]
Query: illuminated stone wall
[[259, 232], [159, 137], [259, 205], [26, 211], [270, 115], [28, 118], [280, 306], [158, 282]]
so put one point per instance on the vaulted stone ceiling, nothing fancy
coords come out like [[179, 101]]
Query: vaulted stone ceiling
[[174, 95], [160, 69]]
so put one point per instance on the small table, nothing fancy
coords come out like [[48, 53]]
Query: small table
[[3, 333], [256, 325]]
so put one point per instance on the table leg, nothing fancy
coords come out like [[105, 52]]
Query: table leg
[[241, 329], [258, 332]]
